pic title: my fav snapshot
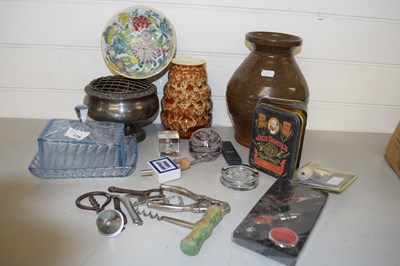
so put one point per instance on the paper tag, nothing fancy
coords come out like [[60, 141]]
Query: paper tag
[[335, 181], [267, 73], [76, 134]]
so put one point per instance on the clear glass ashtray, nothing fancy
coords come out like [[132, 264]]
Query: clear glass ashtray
[[239, 177]]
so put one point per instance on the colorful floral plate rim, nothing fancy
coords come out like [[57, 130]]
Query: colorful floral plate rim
[[138, 42]]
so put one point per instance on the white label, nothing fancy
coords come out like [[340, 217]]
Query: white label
[[163, 165], [267, 73], [76, 134], [335, 180]]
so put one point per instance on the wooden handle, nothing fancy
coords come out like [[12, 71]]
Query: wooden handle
[[202, 229]]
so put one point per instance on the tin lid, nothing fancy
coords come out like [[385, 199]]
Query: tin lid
[[284, 103]]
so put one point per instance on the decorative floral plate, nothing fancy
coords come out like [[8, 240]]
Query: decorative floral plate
[[138, 42]]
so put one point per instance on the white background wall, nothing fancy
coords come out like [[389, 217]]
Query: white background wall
[[50, 50]]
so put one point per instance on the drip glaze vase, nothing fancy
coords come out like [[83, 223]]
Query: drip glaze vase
[[270, 70], [186, 104]]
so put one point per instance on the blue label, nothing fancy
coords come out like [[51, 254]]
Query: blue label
[[163, 165]]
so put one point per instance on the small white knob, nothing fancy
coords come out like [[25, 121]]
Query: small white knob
[[305, 173]]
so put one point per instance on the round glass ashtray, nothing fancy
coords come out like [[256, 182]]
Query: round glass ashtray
[[239, 177]]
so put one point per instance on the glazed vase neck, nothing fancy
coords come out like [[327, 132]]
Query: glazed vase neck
[[273, 50]]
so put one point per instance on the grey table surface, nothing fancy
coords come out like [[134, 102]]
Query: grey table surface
[[40, 224]]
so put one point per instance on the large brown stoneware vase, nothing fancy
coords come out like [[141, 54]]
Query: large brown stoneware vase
[[270, 70]]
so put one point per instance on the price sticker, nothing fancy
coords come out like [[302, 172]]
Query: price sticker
[[76, 134], [335, 181], [267, 73]]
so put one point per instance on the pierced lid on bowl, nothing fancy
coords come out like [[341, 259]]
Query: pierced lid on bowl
[[119, 88]]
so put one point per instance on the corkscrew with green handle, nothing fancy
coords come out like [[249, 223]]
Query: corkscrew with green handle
[[201, 230], [213, 210]]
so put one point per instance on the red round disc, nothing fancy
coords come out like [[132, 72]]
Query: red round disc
[[283, 237]]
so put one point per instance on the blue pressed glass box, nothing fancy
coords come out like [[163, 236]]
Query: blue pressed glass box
[[80, 148], [67, 144]]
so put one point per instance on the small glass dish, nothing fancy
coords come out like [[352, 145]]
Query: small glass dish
[[239, 177], [131, 156]]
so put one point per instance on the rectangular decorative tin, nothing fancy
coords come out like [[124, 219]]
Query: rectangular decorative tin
[[277, 136]]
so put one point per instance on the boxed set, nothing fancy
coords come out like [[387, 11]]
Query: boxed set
[[280, 223]]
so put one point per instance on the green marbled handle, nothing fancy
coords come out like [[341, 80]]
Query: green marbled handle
[[202, 229]]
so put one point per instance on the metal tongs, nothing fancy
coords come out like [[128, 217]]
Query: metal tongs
[[200, 205]]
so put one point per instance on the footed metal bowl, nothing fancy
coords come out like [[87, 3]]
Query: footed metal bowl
[[118, 99]]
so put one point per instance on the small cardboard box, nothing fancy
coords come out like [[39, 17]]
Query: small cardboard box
[[392, 152]]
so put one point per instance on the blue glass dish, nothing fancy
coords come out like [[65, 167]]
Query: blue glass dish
[[65, 144], [131, 155]]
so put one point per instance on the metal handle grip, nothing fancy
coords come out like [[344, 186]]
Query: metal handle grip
[[144, 193], [132, 212]]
